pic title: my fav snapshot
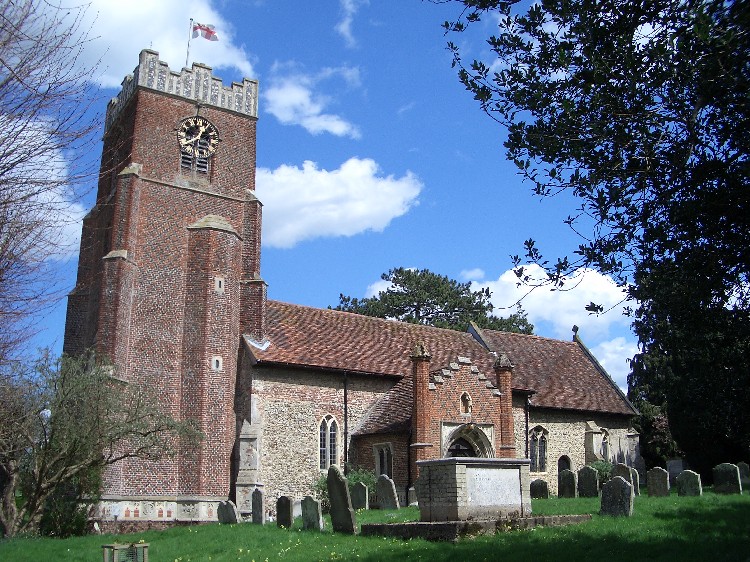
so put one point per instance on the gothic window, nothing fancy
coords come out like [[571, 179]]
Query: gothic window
[[538, 449], [328, 438], [384, 460]]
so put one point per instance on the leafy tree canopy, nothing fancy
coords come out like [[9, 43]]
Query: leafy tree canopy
[[640, 111], [424, 297]]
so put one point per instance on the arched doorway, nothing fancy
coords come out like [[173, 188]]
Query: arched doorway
[[563, 463], [468, 441]]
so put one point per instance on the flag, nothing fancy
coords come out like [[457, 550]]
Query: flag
[[205, 31]]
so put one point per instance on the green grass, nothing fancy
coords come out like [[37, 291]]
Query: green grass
[[711, 527]]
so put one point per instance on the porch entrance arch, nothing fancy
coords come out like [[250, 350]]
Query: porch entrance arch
[[468, 440]]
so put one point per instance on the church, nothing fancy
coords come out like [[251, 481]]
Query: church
[[169, 290]]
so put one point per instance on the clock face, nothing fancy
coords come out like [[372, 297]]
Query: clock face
[[198, 137]]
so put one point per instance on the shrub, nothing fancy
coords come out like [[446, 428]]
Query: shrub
[[604, 468]]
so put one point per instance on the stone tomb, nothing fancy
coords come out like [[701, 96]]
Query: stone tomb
[[689, 484], [458, 489], [386, 491], [657, 482], [727, 479]]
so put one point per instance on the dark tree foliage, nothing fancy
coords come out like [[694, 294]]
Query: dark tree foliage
[[640, 110], [424, 297]]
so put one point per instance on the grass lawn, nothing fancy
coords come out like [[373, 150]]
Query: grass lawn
[[711, 527]]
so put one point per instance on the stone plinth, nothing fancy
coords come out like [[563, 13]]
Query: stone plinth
[[458, 489]]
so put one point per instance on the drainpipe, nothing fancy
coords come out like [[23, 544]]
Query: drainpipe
[[346, 422], [526, 411]]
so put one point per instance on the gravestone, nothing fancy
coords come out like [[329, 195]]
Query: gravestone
[[636, 479], [386, 491], [567, 486], [727, 479], [539, 489], [259, 513], [657, 482], [360, 498], [623, 470], [744, 475], [342, 514], [588, 482], [674, 468], [689, 484], [312, 514], [284, 512], [227, 512], [617, 498]]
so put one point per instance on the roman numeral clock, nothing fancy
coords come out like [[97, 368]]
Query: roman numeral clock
[[197, 137]]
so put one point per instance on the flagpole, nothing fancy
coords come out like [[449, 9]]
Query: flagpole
[[190, 34]]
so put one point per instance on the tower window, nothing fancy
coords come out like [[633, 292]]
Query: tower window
[[219, 284], [216, 363], [189, 163]]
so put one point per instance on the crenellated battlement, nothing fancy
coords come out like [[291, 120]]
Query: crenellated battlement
[[197, 83]]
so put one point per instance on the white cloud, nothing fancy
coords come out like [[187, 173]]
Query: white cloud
[[349, 9], [562, 309], [613, 355], [475, 274], [122, 29], [380, 286], [308, 202], [293, 100]]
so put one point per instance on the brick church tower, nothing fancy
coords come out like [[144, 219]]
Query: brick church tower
[[169, 272]]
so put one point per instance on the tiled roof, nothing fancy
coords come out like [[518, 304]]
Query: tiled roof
[[561, 372], [331, 339]]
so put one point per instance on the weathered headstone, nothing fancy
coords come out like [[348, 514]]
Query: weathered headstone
[[617, 498], [411, 497], [657, 482], [360, 498], [588, 482], [259, 513], [744, 475], [623, 470], [636, 480], [674, 468], [727, 479], [539, 489], [386, 491], [227, 512], [567, 484], [284, 513], [312, 514], [689, 484], [342, 515]]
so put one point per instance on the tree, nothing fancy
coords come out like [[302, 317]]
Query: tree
[[424, 297], [640, 111], [64, 421], [46, 127]]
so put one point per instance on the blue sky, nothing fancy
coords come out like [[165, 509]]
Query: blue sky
[[371, 155]]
